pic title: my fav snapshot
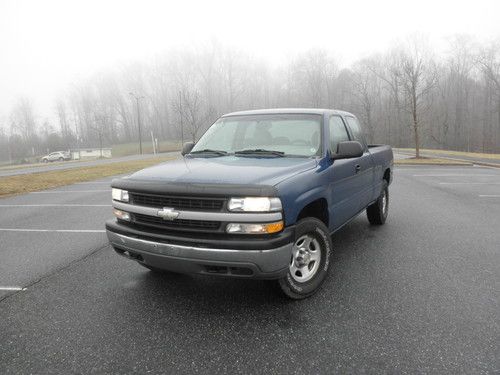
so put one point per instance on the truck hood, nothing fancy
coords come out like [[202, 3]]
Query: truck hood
[[225, 170]]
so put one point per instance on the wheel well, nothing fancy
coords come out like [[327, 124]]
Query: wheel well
[[387, 175], [317, 209]]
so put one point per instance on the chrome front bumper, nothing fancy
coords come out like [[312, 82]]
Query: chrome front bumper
[[261, 264]]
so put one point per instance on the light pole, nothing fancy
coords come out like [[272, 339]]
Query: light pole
[[137, 98], [180, 115]]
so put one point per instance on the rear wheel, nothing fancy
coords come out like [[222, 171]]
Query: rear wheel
[[309, 261], [61, 159], [377, 212]]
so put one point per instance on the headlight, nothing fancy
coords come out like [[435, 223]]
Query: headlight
[[119, 195], [251, 228], [257, 204]]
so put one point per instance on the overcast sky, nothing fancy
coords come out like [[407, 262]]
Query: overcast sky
[[46, 45]]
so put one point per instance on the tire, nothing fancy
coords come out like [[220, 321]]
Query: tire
[[45, 161], [304, 277], [61, 159], [378, 211]]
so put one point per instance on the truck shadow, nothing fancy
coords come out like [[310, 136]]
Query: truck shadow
[[248, 307], [216, 294]]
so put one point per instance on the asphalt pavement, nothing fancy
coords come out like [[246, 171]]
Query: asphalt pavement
[[58, 166], [420, 294]]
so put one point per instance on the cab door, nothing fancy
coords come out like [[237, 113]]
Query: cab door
[[365, 172], [345, 187]]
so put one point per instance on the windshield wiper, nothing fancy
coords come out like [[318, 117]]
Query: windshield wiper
[[259, 151], [209, 151]]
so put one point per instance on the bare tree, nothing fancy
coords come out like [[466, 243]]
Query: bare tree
[[63, 118], [191, 109], [22, 119], [365, 91], [418, 78], [404, 96], [489, 60], [310, 77]]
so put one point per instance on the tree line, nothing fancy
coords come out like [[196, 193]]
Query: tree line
[[406, 96]]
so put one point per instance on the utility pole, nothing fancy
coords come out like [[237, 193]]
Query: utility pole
[[10, 149], [137, 98], [180, 115], [153, 142]]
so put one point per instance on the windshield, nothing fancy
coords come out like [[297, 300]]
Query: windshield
[[286, 134]]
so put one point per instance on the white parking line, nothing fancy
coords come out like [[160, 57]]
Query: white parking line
[[454, 175], [69, 191], [55, 205], [469, 183], [15, 288], [95, 182], [433, 169], [489, 196], [53, 230]]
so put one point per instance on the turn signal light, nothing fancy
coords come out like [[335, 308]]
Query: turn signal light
[[122, 215], [252, 228]]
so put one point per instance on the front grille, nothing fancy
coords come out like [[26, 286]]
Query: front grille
[[178, 224], [178, 203]]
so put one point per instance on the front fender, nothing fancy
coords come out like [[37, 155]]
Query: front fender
[[300, 190]]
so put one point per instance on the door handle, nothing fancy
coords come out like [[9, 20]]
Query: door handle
[[357, 167]]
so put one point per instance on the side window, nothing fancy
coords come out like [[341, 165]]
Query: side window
[[338, 132], [356, 132]]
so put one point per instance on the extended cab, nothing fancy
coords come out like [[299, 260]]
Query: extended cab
[[258, 196]]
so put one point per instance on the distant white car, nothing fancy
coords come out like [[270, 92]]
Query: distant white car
[[56, 156]]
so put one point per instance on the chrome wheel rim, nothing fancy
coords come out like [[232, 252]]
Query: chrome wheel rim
[[306, 257], [384, 203]]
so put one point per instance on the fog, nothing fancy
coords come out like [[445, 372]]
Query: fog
[[66, 67]]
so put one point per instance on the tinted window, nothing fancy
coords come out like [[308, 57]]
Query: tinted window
[[338, 132], [357, 134]]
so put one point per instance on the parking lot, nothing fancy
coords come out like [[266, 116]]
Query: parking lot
[[419, 294]]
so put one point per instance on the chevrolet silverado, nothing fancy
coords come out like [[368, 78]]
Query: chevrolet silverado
[[258, 196]]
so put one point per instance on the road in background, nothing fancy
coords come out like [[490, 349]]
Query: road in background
[[417, 295], [75, 164]]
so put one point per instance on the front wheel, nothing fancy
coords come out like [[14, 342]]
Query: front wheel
[[377, 212], [309, 261]]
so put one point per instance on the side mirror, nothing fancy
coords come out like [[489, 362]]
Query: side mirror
[[348, 149], [186, 149]]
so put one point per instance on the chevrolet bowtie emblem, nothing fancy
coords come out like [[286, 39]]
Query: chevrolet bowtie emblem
[[168, 213]]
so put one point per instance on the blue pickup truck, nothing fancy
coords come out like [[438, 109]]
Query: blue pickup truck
[[258, 196]]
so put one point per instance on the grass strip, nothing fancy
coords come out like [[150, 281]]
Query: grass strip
[[26, 183], [479, 155]]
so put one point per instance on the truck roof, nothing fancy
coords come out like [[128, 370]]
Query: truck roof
[[272, 111]]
